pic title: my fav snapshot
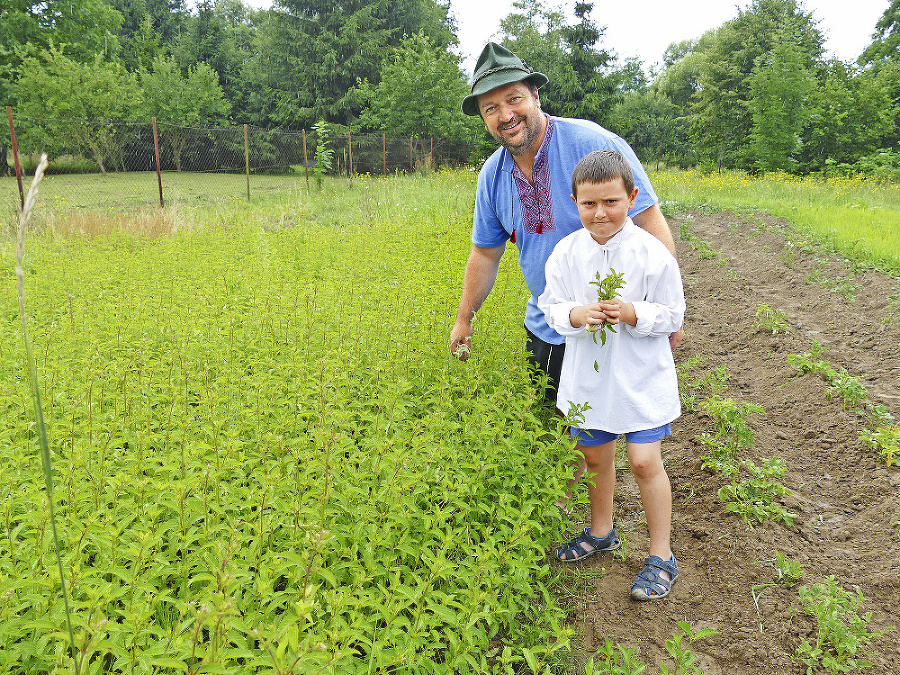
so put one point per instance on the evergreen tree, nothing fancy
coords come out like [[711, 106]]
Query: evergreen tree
[[326, 47], [582, 80]]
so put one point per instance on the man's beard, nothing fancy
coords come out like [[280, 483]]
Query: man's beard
[[529, 134]]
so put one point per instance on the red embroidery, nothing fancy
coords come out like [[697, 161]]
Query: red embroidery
[[537, 206]]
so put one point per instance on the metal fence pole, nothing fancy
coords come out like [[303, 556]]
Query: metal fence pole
[[162, 203], [350, 156], [247, 160], [15, 149], [305, 159]]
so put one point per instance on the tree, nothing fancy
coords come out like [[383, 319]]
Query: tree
[[779, 89], [886, 38], [850, 115], [582, 83], [186, 101], [148, 27], [422, 72], [326, 47], [81, 100], [722, 118]]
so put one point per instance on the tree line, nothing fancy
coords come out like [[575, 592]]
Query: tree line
[[757, 93]]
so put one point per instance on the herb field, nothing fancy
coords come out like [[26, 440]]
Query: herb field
[[266, 461]]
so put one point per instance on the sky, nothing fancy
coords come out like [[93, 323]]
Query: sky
[[644, 28]]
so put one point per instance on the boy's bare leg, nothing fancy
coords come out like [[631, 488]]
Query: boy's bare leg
[[571, 482], [600, 466], [656, 495]]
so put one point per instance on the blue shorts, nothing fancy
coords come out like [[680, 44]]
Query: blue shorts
[[591, 437]]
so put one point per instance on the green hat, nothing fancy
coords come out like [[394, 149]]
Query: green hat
[[496, 67]]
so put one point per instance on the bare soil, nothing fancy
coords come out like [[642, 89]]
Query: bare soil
[[845, 498]]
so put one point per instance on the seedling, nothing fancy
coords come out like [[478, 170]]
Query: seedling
[[841, 634], [769, 319], [754, 498], [617, 660], [678, 650], [886, 442], [732, 433]]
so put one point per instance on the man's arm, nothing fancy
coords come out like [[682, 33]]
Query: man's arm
[[653, 220], [479, 279]]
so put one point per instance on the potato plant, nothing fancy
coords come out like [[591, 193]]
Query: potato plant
[[264, 458]]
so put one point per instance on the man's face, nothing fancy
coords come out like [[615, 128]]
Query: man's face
[[512, 115]]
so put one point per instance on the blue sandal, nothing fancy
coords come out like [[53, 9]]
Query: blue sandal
[[649, 585], [585, 545]]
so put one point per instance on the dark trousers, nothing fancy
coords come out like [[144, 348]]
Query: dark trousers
[[546, 358]]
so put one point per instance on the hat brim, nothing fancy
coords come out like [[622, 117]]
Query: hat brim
[[500, 79]]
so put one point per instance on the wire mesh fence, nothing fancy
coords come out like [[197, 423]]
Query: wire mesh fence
[[121, 160]]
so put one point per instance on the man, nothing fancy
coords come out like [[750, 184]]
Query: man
[[523, 196]]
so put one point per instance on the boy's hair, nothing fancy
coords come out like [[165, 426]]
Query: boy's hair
[[602, 166]]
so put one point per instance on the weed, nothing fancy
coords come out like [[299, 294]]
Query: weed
[[893, 310], [841, 635], [850, 388], [789, 571], [704, 250], [769, 319]]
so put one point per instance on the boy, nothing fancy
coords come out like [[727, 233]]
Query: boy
[[628, 380]]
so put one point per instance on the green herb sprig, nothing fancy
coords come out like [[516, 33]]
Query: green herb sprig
[[607, 289]]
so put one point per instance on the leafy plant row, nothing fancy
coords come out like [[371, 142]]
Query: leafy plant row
[[264, 459]]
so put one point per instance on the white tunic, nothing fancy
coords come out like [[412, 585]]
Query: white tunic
[[636, 387]]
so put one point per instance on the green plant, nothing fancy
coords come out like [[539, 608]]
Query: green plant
[[789, 571], [607, 287], [324, 153], [892, 311], [769, 319], [34, 385], [732, 433], [841, 633], [677, 646], [886, 442], [616, 660], [850, 388], [754, 498]]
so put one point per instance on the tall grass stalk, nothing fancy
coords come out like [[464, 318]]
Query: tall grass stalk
[[35, 390]]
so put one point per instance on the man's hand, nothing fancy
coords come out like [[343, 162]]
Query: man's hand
[[676, 338], [461, 341]]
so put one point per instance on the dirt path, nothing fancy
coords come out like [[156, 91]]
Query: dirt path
[[845, 500]]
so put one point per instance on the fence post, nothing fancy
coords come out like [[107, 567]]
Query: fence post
[[383, 156], [410, 155], [15, 149], [162, 204], [350, 156], [305, 159], [247, 160]]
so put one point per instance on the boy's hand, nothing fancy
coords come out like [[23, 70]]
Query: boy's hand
[[617, 310], [587, 315]]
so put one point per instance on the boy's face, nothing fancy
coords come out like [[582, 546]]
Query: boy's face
[[603, 207]]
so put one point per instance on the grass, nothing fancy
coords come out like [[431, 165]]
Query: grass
[[858, 218]]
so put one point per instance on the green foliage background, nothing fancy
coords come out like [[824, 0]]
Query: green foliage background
[[265, 459]]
